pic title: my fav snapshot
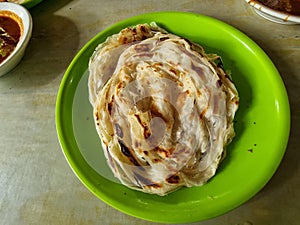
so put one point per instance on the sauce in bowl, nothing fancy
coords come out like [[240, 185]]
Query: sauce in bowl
[[289, 6], [10, 33], [16, 29]]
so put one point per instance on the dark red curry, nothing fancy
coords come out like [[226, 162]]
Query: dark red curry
[[10, 33]]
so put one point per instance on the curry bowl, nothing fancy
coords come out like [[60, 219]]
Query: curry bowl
[[274, 14], [16, 29]]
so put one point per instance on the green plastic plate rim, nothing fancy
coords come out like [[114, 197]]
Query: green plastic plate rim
[[197, 203]]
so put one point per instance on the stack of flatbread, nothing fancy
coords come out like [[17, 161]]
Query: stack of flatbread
[[163, 108]]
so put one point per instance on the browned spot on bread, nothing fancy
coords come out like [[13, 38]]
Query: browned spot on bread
[[165, 153], [96, 116], [174, 71], [141, 47], [163, 38], [173, 179], [147, 131], [156, 160], [236, 102], [110, 106], [202, 114], [127, 152], [146, 152]]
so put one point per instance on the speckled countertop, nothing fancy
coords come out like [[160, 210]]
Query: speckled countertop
[[36, 184]]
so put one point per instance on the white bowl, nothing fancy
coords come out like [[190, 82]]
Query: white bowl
[[23, 17], [272, 14]]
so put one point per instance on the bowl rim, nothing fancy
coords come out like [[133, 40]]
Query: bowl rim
[[27, 23], [281, 15]]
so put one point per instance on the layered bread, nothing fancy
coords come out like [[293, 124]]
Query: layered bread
[[163, 108]]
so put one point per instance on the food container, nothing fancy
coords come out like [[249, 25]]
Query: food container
[[14, 19], [273, 15]]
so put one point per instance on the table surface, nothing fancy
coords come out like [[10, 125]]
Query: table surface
[[36, 184]]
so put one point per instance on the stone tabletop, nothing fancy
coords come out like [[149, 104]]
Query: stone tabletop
[[37, 185]]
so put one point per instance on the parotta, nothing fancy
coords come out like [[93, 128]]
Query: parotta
[[163, 108]]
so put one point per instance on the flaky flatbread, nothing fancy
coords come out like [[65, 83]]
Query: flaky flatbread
[[163, 109]]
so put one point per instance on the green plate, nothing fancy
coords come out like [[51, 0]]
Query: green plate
[[262, 126], [30, 3]]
